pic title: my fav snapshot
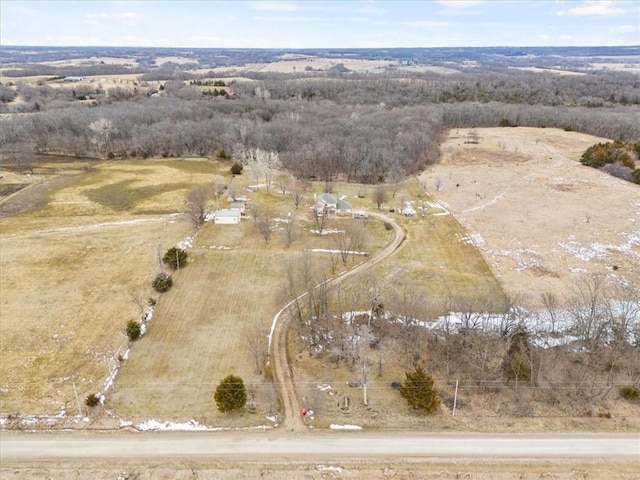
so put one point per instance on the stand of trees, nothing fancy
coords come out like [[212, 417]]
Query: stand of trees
[[313, 140], [571, 358], [617, 158], [365, 128]]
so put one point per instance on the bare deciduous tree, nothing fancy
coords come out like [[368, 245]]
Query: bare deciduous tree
[[196, 204], [289, 230], [263, 224], [589, 308], [296, 191], [261, 163], [379, 195], [256, 343], [284, 181], [103, 130]]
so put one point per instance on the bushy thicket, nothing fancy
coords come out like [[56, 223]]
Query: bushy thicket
[[92, 400], [630, 393], [617, 158]]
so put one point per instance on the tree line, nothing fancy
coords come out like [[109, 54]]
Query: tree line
[[360, 128]]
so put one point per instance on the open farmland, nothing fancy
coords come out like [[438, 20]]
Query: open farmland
[[100, 231], [76, 269], [539, 217], [90, 249]]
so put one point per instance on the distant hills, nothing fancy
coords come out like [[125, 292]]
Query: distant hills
[[212, 57]]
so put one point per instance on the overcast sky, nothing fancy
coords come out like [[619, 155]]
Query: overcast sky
[[319, 24]]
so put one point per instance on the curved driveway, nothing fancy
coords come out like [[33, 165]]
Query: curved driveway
[[278, 337]]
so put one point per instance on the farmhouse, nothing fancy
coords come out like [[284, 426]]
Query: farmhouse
[[331, 206], [226, 217]]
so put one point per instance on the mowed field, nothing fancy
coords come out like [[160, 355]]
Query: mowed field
[[76, 269]]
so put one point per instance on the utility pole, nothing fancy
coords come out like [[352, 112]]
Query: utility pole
[[75, 393], [455, 400]]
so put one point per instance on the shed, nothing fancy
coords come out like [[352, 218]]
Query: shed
[[226, 217], [238, 206]]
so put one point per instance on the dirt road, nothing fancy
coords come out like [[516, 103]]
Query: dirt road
[[277, 444], [278, 347], [280, 455]]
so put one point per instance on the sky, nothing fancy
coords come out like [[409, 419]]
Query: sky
[[295, 24]]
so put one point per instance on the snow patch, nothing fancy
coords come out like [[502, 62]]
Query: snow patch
[[327, 231], [185, 243], [155, 425], [480, 207], [329, 468], [473, 238], [334, 426], [597, 250], [348, 252]]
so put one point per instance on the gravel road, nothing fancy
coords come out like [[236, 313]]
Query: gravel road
[[278, 444]]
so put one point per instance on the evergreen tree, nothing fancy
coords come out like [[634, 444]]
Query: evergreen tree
[[175, 257], [162, 282], [133, 330], [231, 394], [419, 390], [516, 362]]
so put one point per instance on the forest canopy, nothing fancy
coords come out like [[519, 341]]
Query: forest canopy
[[362, 127]]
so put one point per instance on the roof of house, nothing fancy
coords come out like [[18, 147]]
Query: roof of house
[[226, 213], [333, 201], [343, 205], [326, 198]]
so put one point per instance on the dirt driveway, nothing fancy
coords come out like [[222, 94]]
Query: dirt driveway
[[540, 218]]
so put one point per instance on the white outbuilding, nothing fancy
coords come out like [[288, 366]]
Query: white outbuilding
[[226, 217]]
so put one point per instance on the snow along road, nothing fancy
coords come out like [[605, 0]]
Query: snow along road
[[274, 445]]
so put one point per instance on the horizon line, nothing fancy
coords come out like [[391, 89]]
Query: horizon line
[[317, 48]]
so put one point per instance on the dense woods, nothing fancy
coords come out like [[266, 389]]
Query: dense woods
[[362, 127]]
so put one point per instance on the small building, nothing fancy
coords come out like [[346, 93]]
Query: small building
[[239, 206], [73, 79], [226, 217]]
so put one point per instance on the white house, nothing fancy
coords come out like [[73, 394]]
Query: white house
[[226, 217]]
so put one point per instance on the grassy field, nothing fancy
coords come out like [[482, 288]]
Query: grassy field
[[78, 267], [74, 270]]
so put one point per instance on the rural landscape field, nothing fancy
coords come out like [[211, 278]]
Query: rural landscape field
[[390, 216]]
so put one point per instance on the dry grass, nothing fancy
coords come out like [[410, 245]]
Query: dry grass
[[75, 269], [72, 271], [61, 256], [540, 218]]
